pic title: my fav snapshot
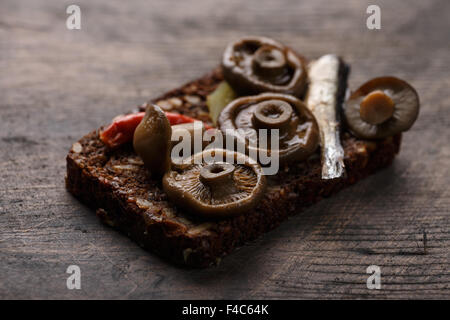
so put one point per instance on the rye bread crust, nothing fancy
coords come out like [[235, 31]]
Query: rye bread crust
[[116, 184]]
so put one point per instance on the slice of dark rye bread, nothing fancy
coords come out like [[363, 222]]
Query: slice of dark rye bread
[[116, 184]]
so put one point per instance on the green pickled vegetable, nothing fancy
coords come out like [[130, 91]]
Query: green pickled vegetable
[[217, 100]]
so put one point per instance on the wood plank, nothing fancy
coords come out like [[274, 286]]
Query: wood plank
[[57, 85]]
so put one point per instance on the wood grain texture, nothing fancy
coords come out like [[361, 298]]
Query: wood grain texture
[[56, 85]]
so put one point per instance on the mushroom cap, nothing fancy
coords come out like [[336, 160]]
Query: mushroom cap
[[299, 132], [151, 140], [406, 108], [216, 189], [253, 65]]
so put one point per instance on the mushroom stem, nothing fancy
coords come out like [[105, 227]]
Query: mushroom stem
[[272, 114], [376, 107], [269, 62], [218, 177]]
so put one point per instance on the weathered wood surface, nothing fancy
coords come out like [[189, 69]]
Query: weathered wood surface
[[56, 85]]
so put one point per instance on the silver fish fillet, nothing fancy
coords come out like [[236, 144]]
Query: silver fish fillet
[[327, 84]]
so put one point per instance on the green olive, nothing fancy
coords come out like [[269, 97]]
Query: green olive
[[152, 141]]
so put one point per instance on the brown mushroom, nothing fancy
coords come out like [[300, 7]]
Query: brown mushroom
[[298, 130], [382, 107], [216, 189], [258, 64], [151, 140]]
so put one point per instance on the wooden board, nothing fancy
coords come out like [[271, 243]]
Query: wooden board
[[57, 84]]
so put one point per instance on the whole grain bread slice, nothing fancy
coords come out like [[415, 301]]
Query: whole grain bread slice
[[116, 184]]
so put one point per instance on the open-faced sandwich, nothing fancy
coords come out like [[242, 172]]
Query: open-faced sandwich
[[206, 167]]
